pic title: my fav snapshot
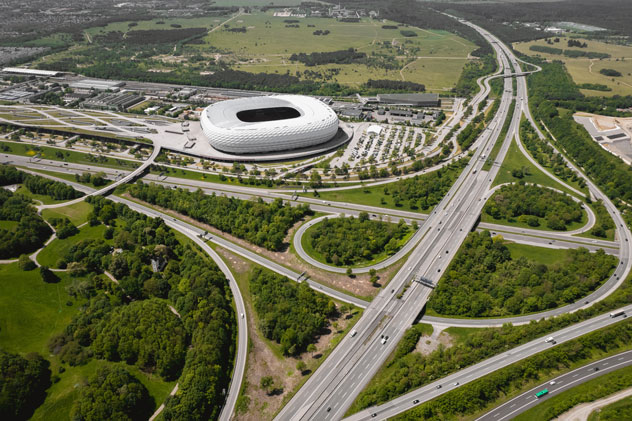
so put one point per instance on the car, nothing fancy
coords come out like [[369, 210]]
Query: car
[[373, 415], [383, 341], [416, 401], [550, 339], [242, 315], [552, 382], [456, 383], [328, 408], [438, 386], [596, 368], [353, 333]]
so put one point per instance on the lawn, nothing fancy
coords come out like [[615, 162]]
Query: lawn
[[77, 213], [46, 200], [309, 249], [32, 310], [542, 255], [581, 69], [58, 248], [515, 160]]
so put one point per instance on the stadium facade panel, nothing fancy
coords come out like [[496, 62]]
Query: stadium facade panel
[[268, 123]]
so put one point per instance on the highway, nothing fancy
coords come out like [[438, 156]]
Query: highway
[[333, 387], [405, 402], [469, 374], [555, 386]]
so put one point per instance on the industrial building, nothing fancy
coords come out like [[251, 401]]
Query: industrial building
[[113, 101], [415, 100], [97, 85]]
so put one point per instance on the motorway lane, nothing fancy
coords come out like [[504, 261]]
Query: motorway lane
[[343, 370], [559, 384], [403, 403], [430, 391]]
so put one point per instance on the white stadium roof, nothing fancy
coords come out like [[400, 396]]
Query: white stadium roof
[[268, 123]]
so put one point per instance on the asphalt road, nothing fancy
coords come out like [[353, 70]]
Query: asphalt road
[[334, 386], [469, 374], [559, 384]]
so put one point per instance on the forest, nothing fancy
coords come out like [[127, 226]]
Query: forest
[[261, 223], [484, 280], [534, 205], [553, 88], [290, 313], [338, 57], [197, 348], [23, 384], [493, 16], [568, 53], [349, 241]]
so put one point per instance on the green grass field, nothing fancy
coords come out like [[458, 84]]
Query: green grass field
[[31, 310], [77, 213], [433, 58], [542, 255], [515, 159], [581, 69], [309, 249], [58, 248]]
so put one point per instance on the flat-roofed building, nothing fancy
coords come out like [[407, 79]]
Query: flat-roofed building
[[417, 100]]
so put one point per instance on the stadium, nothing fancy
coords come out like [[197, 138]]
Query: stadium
[[266, 124]]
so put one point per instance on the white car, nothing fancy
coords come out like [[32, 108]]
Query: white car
[[550, 339]]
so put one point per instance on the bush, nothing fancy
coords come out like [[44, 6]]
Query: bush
[[25, 263]]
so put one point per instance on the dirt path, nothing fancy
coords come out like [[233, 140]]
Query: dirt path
[[583, 411]]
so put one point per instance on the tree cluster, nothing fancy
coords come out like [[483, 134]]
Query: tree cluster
[[424, 191], [97, 180], [31, 231], [568, 53], [113, 394], [349, 241], [261, 223], [484, 280], [532, 204], [146, 334], [349, 56], [23, 384], [199, 348], [552, 88], [291, 314]]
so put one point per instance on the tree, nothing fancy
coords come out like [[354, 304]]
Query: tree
[[349, 272], [25, 263], [301, 366], [266, 383], [48, 275]]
